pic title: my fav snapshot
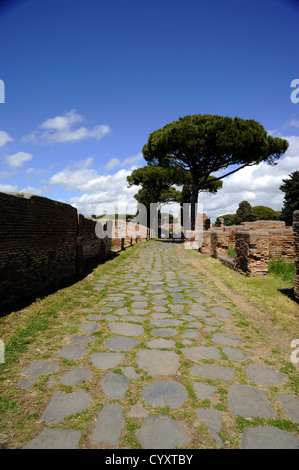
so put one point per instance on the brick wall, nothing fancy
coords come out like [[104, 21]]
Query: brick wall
[[252, 252], [296, 238], [282, 244], [90, 248], [40, 244]]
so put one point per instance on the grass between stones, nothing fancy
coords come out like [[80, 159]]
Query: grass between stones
[[41, 329]]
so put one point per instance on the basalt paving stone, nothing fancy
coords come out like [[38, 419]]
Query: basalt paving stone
[[180, 301], [196, 353], [209, 329], [234, 354], [106, 360], [115, 385], [139, 304], [126, 329], [161, 343], [139, 311], [159, 308], [158, 362], [109, 425], [290, 405], [190, 334], [161, 432], [55, 439], [65, 404], [40, 367], [95, 317], [187, 317], [164, 332], [226, 339], [166, 322], [161, 316], [133, 318], [121, 343], [263, 375], [118, 303], [204, 391], [89, 327], [212, 371], [137, 411], [160, 302], [213, 321], [212, 418], [161, 394], [249, 401], [122, 311], [176, 308], [78, 375], [268, 437], [83, 340], [131, 373], [106, 309], [25, 384], [221, 312], [72, 352]]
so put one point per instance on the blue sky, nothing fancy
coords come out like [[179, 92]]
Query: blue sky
[[86, 82]]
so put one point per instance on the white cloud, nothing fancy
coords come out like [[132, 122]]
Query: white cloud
[[60, 129], [112, 164], [8, 188], [259, 185], [98, 190], [4, 138], [16, 160], [292, 123], [133, 160], [33, 190], [73, 176]]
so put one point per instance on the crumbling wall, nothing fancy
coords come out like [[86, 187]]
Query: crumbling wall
[[40, 244], [90, 248], [252, 252]]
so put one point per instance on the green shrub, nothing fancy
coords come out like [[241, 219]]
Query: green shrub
[[282, 269]]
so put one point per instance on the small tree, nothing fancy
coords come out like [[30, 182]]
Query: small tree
[[244, 213], [291, 197]]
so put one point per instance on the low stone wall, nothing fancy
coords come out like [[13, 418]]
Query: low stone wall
[[252, 252], [42, 242], [282, 244], [90, 248]]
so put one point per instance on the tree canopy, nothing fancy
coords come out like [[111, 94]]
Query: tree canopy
[[205, 144], [291, 197], [248, 213]]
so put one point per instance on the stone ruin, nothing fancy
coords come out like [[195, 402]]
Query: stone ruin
[[254, 244]]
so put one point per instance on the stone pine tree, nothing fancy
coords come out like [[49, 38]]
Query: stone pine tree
[[156, 186], [291, 197], [244, 213], [205, 144]]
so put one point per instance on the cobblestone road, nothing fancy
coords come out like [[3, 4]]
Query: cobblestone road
[[172, 369]]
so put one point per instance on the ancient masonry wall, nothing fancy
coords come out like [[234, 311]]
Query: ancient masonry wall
[[42, 243], [280, 239], [296, 237]]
